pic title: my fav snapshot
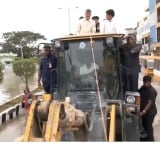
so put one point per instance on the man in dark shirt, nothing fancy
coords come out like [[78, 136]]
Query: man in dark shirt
[[129, 54], [148, 108], [47, 70]]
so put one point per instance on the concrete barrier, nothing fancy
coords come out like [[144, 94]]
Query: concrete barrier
[[17, 110], [3, 118], [12, 112]]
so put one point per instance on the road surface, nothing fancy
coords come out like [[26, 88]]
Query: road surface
[[12, 129], [15, 128]]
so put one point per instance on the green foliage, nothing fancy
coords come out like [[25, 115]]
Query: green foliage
[[24, 68], [7, 48], [1, 67], [26, 40], [18, 58], [1, 77], [1, 73]]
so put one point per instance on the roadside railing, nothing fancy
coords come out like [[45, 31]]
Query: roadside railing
[[13, 110]]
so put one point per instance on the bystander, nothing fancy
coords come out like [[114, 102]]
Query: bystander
[[148, 108]]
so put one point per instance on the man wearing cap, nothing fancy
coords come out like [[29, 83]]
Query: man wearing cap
[[47, 70], [129, 55], [148, 108]]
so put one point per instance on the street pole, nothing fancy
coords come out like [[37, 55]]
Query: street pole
[[22, 52], [69, 20]]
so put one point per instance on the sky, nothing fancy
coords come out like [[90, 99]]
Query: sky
[[51, 17]]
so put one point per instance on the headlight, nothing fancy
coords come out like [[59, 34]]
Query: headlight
[[131, 99]]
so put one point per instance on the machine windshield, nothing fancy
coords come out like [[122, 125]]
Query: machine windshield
[[77, 60], [81, 65]]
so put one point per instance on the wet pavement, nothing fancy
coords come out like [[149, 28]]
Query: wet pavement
[[12, 129], [156, 123], [15, 128]]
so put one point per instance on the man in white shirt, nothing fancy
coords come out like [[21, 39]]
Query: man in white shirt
[[85, 69], [86, 25], [108, 26]]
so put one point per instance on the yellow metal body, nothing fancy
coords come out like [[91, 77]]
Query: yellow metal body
[[52, 133], [29, 124], [112, 129], [149, 71], [88, 36], [53, 126], [150, 57], [46, 97]]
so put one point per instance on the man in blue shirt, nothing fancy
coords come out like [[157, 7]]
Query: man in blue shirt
[[47, 70]]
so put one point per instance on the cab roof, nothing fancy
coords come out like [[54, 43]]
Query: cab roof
[[93, 36]]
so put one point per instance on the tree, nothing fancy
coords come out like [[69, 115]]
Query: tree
[[24, 68], [14, 41], [1, 73], [7, 47]]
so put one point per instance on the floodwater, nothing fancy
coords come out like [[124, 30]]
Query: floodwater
[[13, 85]]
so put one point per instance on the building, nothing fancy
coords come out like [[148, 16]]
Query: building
[[7, 58], [130, 31], [154, 16], [143, 34], [152, 22]]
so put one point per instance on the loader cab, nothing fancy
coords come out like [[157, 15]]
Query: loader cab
[[89, 73], [89, 80], [85, 62]]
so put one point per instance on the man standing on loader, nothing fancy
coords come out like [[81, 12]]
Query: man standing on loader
[[86, 25], [47, 71], [108, 25], [129, 54], [97, 23]]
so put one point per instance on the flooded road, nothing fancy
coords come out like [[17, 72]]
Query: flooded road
[[13, 85]]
